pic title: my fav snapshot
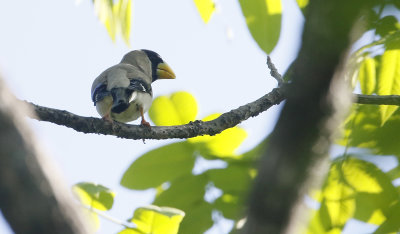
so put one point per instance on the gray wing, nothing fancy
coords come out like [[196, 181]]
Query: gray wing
[[100, 92]]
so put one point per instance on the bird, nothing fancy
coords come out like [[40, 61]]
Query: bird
[[123, 92]]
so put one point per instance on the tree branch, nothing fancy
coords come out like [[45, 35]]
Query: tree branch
[[196, 128], [274, 72], [192, 129], [377, 99]]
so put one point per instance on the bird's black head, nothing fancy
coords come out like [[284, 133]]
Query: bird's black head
[[159, 69]]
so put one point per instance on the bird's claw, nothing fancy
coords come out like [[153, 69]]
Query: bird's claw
[[108, 118], [145, 123]]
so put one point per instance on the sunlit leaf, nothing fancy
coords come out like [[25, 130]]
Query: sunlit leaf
[[130, 231], [104, 10], [176, 109], [388, 82], [221, 145], [317, 226], [302, 4], [160, 165], [94, 195], [116, 17], [157, 220], [122, 11], [338, 204], [367, 75], [185, 105], [205, 8], [363, 129], [263, 18], [354, 189]]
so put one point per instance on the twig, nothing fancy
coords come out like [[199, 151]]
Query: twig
[[274, 72], [377, 99]]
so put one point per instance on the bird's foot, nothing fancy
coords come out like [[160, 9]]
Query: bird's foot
[[145, 123], [107, 118]]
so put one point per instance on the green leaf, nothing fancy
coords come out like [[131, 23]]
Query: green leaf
[[160, 165], [367, 75], [184, 192], [396, 4], [176, 109], [187, 193], [206, 8], [222, 145], [231, 206], [363, 129], [386, 25], [198, 220], [392, 224], [337, 205], [371, 212], [157, 220], [354, 189], [394, 173], [388, 82], [263, 18], [302, 4], [94, 195], [234, 178]]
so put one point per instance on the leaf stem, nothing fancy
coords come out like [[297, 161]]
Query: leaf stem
[[110, 218]]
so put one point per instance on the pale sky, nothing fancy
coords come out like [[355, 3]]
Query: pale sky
[[51, 51]]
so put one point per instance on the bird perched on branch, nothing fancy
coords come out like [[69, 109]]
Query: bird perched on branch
[[123, 92]]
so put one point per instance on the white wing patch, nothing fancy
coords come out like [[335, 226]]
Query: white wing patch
[[133, 97], [143, 88]]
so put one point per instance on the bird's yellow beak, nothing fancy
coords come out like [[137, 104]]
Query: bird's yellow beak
[[165, 72]]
